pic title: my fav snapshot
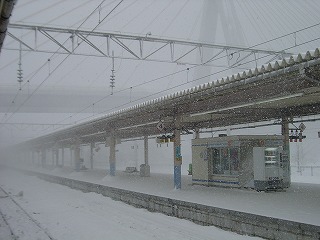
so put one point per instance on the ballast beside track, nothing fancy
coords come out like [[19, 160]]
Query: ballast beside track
[[236, 221]]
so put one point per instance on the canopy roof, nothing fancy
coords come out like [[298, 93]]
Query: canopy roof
[[285, 88]]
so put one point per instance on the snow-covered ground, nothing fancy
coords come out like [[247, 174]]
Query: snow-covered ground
[[64, 213], [298, 203]]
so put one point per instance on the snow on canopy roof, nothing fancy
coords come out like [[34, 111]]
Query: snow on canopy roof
[[266, 68]]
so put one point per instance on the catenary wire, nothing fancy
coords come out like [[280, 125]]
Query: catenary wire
[[153, 94], [36, 89]]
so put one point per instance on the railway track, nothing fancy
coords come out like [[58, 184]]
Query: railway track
[[25, 220]]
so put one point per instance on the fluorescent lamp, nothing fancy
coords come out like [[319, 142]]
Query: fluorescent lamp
[[248, 104], [139, 125]]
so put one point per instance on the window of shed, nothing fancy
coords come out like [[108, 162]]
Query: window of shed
[[225, 161]]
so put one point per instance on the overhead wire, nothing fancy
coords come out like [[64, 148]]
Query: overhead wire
[[176, 86], [74, 24], [28, 81], [119, 12], [143, 31], [24, 4], [36, 89], [41, 10], [158, 92], [131, 20]]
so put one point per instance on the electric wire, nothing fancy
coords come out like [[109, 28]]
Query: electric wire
[[37, 71], [51, 58], [36, 89], [153, 94], [183, 71], [131, 21], [41, 10], [24, 4], [311, 40], [256, 45], [118, 13], [57, 34]]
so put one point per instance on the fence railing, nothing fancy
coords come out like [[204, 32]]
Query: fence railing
[[313, 170]]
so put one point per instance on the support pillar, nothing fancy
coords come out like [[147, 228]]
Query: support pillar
[[57, 156], [177, 153], [112, 157], [43, 157], [52, 157], [38, 157], [77, 157], [62, 156], [91, 155], [145, 168], [197, 133], [32, 156], [71, 157], [286, 152], [146, 157]]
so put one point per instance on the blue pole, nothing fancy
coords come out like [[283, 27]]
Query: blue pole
[[112, 169], [177, 177]]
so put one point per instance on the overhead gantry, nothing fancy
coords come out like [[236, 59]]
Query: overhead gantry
[[132, 46], [280, 90]]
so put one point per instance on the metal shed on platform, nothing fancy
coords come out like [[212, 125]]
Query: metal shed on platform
[[228, 161]]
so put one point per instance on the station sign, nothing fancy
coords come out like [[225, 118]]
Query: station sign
[[160, 126]]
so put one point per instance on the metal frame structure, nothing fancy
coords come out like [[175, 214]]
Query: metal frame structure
[[280, 90], [134, 45]]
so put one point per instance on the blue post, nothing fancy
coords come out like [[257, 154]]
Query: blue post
[[177, 177], [177, 153], [112, 157], [112, 169]]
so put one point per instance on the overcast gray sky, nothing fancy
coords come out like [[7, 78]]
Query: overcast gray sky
[[80, 82]]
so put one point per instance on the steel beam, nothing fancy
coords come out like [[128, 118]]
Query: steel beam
[[119, 38]]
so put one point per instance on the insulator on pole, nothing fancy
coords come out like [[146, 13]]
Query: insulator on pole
[[19, 71], [112, 76]]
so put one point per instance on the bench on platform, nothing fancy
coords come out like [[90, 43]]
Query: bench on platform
[[131, 169]]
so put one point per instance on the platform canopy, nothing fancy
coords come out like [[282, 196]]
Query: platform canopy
[[285, 88], [6, 7]]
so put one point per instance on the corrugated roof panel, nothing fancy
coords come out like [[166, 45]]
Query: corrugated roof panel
[[317, 53], [284, 63], [276, 65], [262, 69], [308, 56], [298, 58], [291, 60]]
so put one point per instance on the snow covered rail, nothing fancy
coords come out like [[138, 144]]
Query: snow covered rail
[[240, 222]]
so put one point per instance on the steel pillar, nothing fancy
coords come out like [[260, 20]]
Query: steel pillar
[[57, 156], [77, 157], [112, 157], [32, 156], [91, 155], [197, 133], [286, 148], [146, 153], [43, 157], [71, 157], [177, 153], [52, 157], [62, 156], [39, 158], [145, 168]]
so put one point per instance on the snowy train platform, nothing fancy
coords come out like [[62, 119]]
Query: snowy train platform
[[65, 214], [299, 203]]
